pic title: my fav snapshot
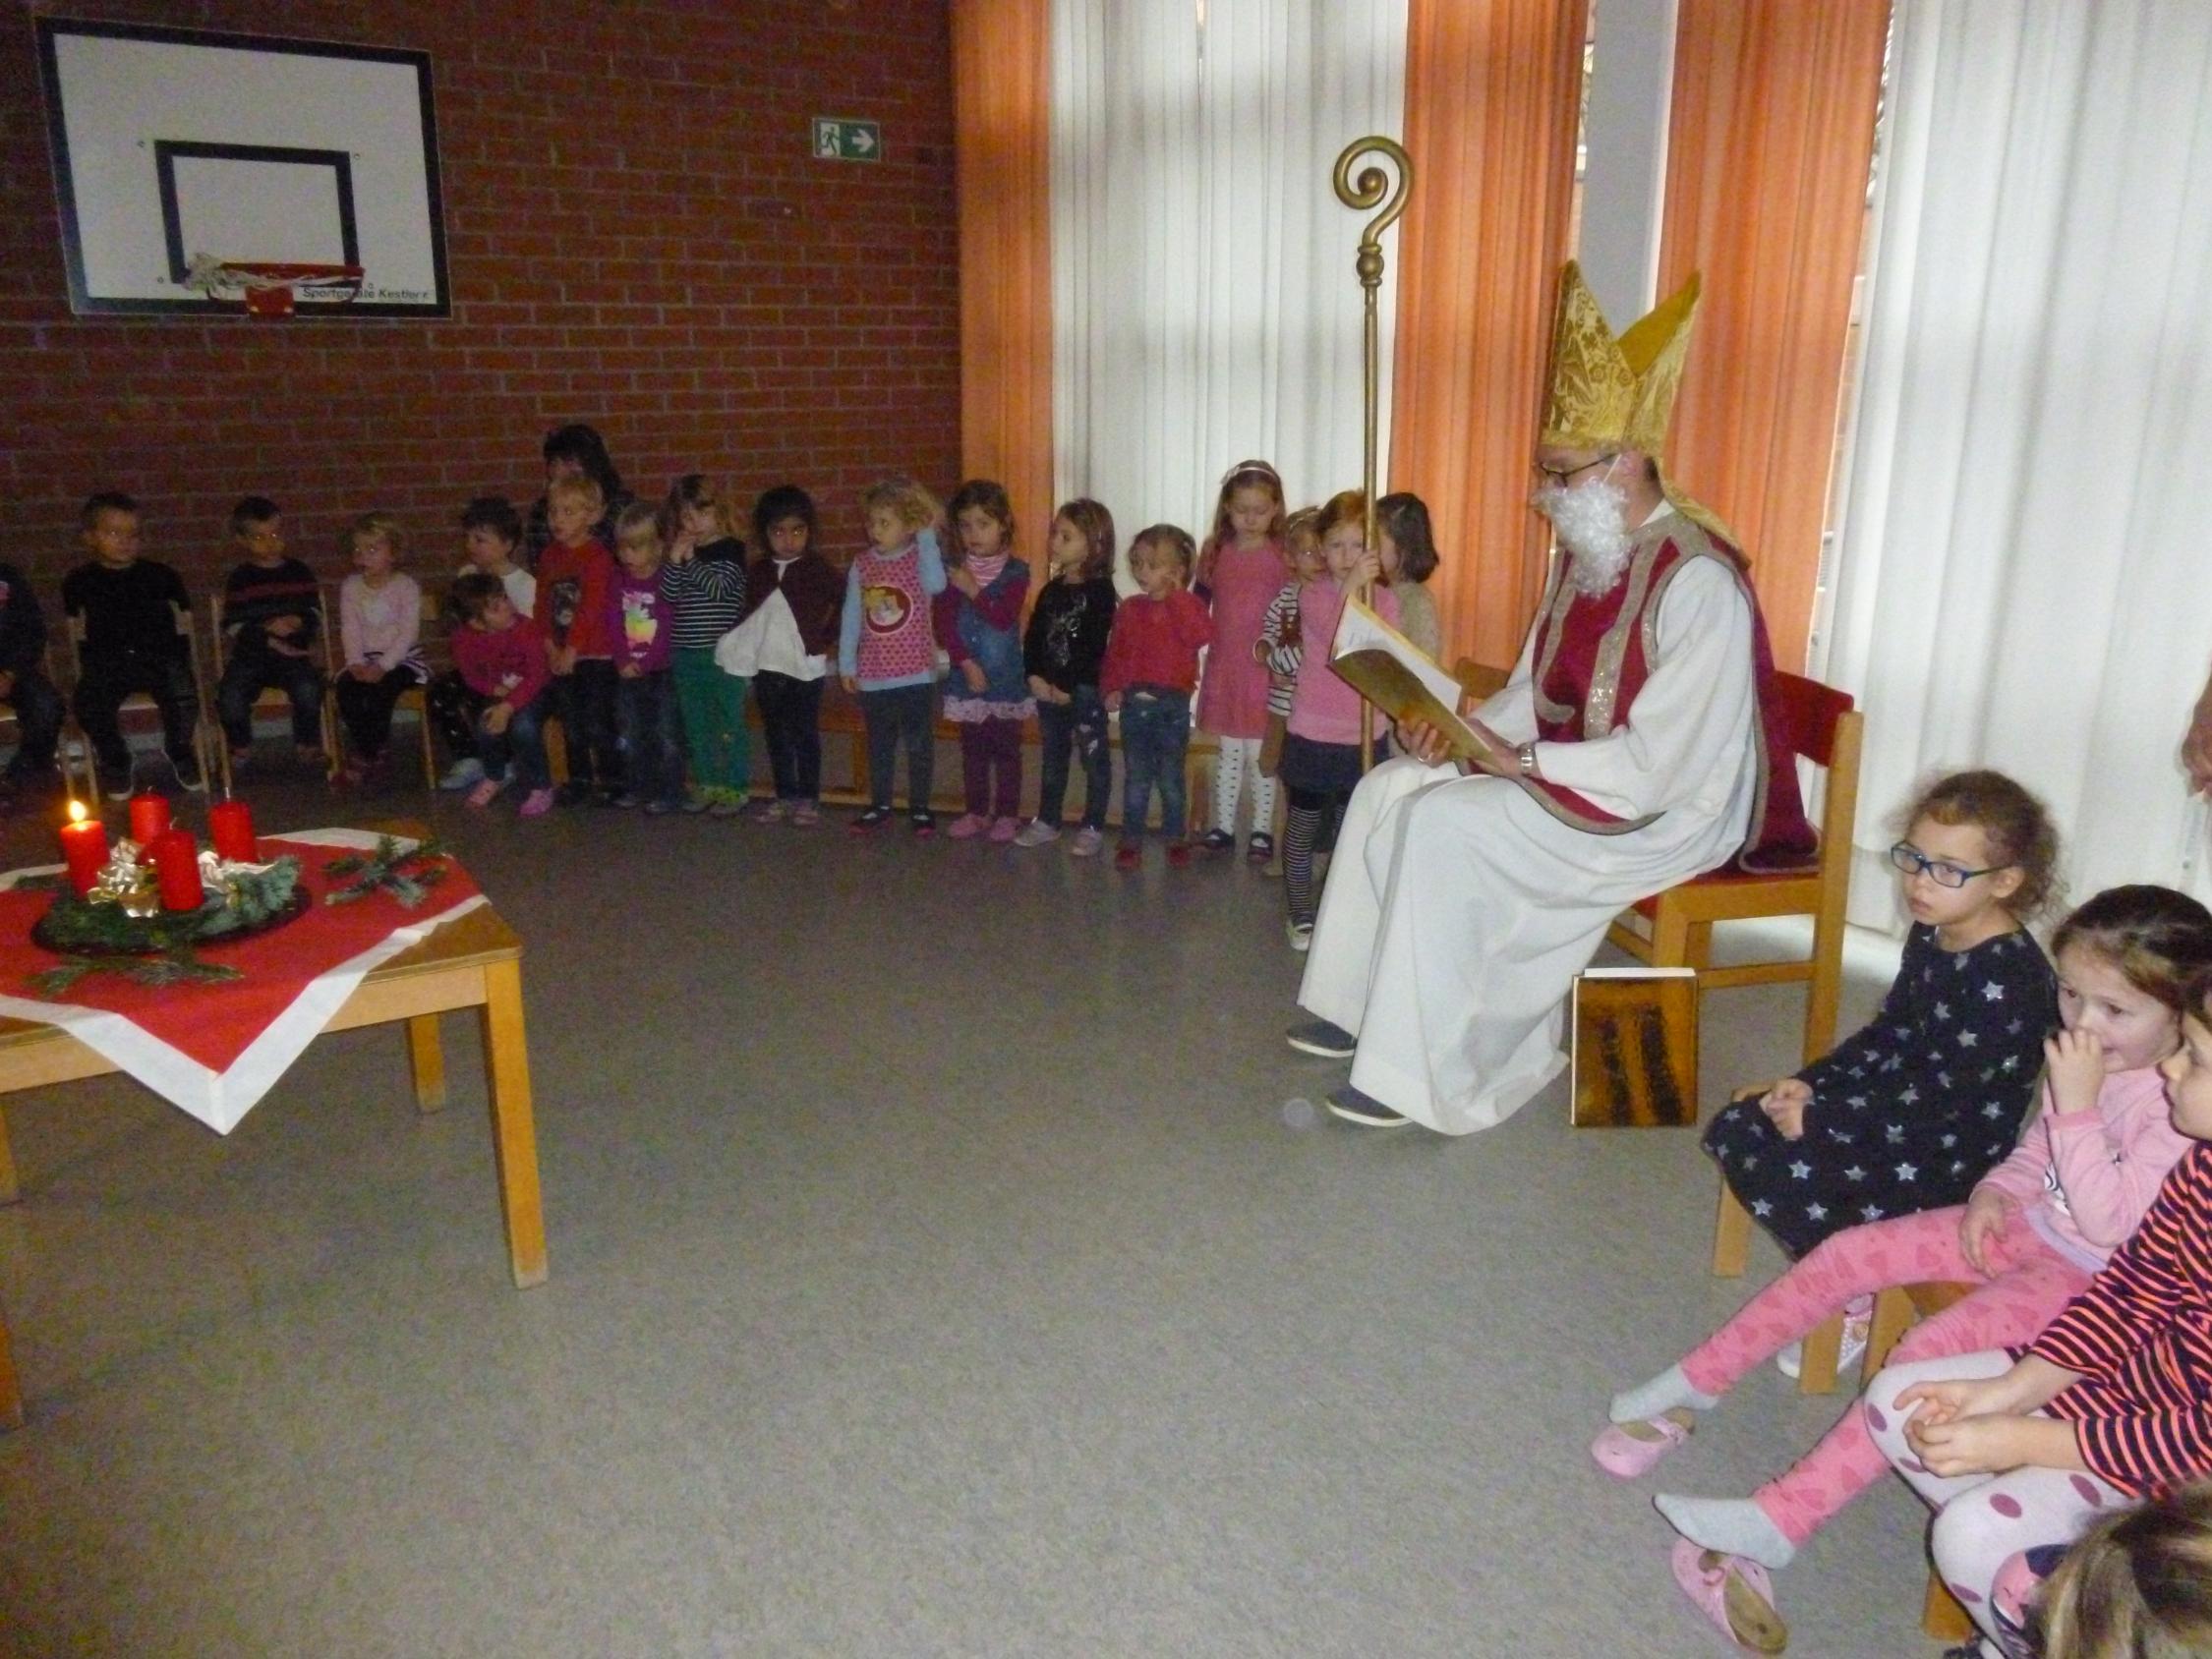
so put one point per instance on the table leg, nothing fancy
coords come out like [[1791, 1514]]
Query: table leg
[[427, 1057], [10, 1394], [9, 1192], [514, 1138]]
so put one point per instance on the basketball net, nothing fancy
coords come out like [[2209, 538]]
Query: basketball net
[[272, 289]]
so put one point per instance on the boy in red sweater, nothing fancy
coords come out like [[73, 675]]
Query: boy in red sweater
[[502, 657], [575, 601], [1151, 667]]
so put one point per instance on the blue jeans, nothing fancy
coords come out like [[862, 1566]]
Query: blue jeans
[[296, 676], [1080, 725], [523, 744], [1155, 733], [652, 726]]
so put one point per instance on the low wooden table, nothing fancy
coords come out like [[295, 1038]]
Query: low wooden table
[[472, 962]]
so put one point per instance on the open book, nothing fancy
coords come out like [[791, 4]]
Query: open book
[[1401, 679]]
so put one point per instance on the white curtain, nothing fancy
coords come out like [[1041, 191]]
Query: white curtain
[[2022, 579], [1204, 303]]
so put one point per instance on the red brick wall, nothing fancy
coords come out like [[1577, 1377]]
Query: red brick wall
[[636, 235]]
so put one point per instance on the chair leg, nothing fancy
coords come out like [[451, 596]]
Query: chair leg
[[1822, 1348], [429, 755], [1731, 1235], [1825, 992], [1942, 1617], [1893, 1317]]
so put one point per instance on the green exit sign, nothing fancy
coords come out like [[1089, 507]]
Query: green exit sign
[[846, 141]]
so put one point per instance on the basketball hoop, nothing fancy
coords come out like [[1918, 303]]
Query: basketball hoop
[[271, 289]]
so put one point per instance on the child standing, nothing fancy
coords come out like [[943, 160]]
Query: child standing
[[501, 656], [576, 589], [381, 626], [2033, 1231], [1939, 1079], [490, 538], [641, 621], [130, 610], [2112, 1403], [793, 598], [886, 650], [1239, 572], [704, 580], [978, 625], [1062, 653], [1321, 764], [27, 687], [273, 615], [1151, 669], [1409, 560], [1278, 645]]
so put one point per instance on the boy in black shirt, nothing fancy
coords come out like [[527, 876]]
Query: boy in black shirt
[[25, 685], [273, 613], [130, 608]]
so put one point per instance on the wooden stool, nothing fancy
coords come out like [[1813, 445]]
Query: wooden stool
[[1731, 1245], [1894, 1312]]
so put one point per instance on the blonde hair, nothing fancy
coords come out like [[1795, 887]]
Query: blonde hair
[[379, 524], [1300, 532], [916, 506], [2137, 1585], [637, 526], [577, 487], [1171, 540]]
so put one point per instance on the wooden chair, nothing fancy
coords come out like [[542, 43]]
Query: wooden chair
[[70, 744], [436, 659], [272, 697], [1894, 1311], [73, 634]]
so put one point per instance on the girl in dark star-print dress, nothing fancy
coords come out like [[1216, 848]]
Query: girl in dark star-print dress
[[1909, 1112]]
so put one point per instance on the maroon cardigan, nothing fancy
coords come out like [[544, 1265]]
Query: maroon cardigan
[[814, 590]]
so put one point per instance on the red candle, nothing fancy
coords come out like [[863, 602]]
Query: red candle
[[149, 816], [83, 845], [230, 826], [176, 864]]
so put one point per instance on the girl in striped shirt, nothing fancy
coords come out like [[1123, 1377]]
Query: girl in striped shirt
[[2112, 1403]]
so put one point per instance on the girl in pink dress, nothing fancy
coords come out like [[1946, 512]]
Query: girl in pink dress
[[1241, 570]]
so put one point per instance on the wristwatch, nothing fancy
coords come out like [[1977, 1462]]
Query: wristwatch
[[1526, 755]]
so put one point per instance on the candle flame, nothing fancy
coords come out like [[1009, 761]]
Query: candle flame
[[77, 812]]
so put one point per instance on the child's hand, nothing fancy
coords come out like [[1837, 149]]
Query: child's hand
[[280, 627], [965, 580], [496, 716], [2075, 1061], [1113, 703], [629, 672], [972, 670], [852, 685], [1967, 1445], [1368, 572], [1041, 689], [369, 673], [682, 550], [1987, 1212], [1951, 1400], [564, 660], [1785, 1106]]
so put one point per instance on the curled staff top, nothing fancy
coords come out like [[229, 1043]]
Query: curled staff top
[[1369, 189]]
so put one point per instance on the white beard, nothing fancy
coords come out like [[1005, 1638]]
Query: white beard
[[1591, 524]]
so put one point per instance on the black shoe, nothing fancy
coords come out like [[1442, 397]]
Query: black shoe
[[116, 785], [1260, 849], [573, 793], [1354, 1107], [1324, 1038], [875, 817], [1216, 841], [924, 823], [189, 774]]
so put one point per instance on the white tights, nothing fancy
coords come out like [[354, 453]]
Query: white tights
[[1238, 756]]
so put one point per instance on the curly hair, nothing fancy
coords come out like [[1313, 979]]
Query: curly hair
[[916, 506], [2015, 825], [1168, 539]]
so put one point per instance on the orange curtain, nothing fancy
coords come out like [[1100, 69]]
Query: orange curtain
[[1769, 147], [1492, 91], [1002, 94]]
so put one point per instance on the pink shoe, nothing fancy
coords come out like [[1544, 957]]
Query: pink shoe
[[486, 792], [1006, 829], [1735, 1593], [1626, 1451], [967, 827], [536, 804]]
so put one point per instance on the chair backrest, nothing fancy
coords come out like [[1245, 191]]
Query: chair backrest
[[1806, 714]]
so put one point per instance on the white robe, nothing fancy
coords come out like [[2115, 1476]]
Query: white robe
[[1458, 911]]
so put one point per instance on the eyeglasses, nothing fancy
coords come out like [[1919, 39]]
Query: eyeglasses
[[1913, 862], [1560, 475]]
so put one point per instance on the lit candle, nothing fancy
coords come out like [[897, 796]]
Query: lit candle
[[149, 816], [84, 843], [176, 864], [230, 826]]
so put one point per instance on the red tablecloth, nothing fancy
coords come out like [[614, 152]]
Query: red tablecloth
[[214, 1049]]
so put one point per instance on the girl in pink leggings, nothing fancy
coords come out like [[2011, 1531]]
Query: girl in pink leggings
[[2034, 1230], [2112, 1403]]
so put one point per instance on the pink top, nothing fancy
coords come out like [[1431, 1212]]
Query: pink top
[[2085, 1179], [382, 626], [1323, 709], [1233, 700]]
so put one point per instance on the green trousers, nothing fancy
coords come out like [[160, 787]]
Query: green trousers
[[715, 737]]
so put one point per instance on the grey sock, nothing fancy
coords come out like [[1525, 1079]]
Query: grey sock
[[1733, 1525], [1662, 1393]]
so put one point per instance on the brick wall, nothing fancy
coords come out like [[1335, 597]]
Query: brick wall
[[636, 235]]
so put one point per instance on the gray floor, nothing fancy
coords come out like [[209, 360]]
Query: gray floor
[[944, 1261]]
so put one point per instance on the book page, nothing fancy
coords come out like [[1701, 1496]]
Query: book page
[[1401, 679]]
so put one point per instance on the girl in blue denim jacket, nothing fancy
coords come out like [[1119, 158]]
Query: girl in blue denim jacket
[[978, 620]]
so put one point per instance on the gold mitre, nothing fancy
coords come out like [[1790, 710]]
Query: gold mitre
[[1614, 393]]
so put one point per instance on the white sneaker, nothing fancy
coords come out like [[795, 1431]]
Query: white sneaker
[[1037, 833], [464, 773], [1088, 842], [1299, 934], [1857, 1321]]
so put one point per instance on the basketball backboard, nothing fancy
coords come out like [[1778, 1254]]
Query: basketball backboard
[[173, 148]]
